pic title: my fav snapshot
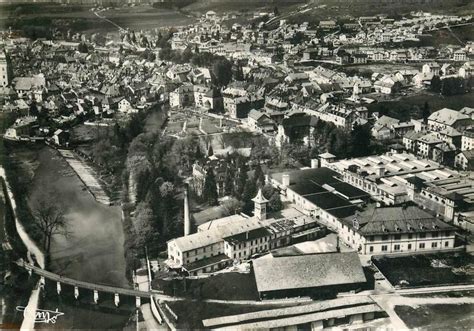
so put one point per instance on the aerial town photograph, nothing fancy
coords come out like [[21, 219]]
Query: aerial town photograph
[[236, 165]]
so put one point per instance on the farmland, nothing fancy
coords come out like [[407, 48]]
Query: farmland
[[82, 19]]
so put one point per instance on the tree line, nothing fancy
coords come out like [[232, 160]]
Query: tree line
[[452, 85]]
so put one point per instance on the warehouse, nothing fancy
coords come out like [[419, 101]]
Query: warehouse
[[317, 275]]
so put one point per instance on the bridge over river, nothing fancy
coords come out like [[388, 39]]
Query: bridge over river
[[96, 288]]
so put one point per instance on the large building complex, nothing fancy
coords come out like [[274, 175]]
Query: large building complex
[[362, 225], [385, 176], [238, 238]]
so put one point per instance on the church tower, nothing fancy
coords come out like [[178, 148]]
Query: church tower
[[6, 71], [260, 209]]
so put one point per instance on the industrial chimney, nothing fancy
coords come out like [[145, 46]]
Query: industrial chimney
[[187, 220]]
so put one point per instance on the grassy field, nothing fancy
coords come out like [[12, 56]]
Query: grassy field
[[316, 11], [81, 19], [444, 37], [439, 317], [241, 5], [428, 270]]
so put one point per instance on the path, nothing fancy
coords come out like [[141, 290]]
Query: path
[[385, 302], [111, 22], [149, 320], [32, 249], [436, 289], [455, 35], [388, 302]]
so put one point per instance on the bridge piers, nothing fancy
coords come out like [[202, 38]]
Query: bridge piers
[[42, 281], [137, 302], [96, 296], [117, 299], [58, 288], [76, 292]]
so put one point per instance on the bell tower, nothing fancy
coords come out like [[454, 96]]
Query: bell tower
[[6, 72], [260, 209]]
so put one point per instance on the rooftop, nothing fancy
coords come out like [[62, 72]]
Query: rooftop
[[396, 220], [307, 271]]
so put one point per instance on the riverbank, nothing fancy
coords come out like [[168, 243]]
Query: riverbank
[[93, 253], [87, 176], [16, 285]]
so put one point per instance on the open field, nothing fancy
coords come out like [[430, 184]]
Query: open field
[[428, 269], [443, 37], [81, 19], [440, 317], [337, 9], [240, 5]]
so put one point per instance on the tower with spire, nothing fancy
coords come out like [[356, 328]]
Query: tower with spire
[[260, 209]]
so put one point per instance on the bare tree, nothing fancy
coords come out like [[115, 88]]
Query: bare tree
[[50, 221]]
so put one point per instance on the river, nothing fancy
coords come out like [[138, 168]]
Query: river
[[93, 252]]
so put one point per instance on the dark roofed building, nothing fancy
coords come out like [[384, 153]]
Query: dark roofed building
[[318, 275]]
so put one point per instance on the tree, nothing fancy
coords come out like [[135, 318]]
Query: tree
[[435, 85], [82, 48], [250, 191], [240, 181], [143, 224], [50, 221], [275, 203], [198, 154], [210, 151], [297, 38], [276, 12], [259, 175], [360, 140], [426, 112], [209, 192], [268, 190], [229, 181], [232, 206], [222, 70]]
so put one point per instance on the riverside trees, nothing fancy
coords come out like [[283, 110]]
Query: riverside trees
[[49, 221]]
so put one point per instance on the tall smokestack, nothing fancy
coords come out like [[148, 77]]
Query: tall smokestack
[[187, 221]]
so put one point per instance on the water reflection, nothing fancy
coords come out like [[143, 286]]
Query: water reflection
[[94, 251]]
